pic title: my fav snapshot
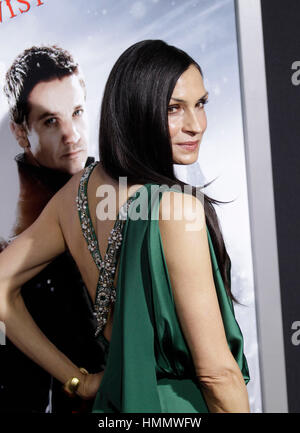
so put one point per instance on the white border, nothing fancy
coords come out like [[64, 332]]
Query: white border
[[261, 205]]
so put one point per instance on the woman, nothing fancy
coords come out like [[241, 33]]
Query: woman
[[162, 293]]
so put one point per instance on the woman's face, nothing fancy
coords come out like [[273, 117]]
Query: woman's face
[[186, 116]]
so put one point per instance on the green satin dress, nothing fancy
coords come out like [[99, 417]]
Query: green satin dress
[[149, 365]]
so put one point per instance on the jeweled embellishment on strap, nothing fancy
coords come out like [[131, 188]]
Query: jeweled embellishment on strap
[[105, 292]]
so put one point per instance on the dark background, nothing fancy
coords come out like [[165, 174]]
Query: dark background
[[281, 29]]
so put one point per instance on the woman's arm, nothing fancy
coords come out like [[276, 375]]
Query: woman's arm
[[21, 260], [190, 269]]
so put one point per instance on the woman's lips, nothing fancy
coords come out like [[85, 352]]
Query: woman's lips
[[189, 145]]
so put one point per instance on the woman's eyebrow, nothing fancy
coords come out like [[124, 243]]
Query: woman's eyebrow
[[182, 100]]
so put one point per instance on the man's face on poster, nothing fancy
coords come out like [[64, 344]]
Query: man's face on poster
[[57, 124]]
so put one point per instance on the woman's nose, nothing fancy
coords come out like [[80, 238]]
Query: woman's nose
[[193, 122]]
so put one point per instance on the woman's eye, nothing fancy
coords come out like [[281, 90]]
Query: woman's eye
[[202, 102], [173, 109], [78, 112]]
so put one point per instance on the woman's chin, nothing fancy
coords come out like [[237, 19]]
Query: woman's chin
[[182, 156], [185, 159]]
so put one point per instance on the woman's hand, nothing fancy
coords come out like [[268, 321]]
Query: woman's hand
[[89, 385]]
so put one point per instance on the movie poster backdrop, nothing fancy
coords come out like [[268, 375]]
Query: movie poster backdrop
[[96, 32]]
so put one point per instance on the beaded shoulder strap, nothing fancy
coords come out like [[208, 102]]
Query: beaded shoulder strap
[[105, 291], [85, 218]]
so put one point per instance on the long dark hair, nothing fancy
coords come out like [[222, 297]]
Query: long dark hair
[[134, 138]]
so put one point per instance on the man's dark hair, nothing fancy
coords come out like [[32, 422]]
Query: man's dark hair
[[35, 64]]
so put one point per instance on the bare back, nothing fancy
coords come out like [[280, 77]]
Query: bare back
[[72, 231]]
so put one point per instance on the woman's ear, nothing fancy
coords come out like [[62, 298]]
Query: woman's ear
[[20, 134]]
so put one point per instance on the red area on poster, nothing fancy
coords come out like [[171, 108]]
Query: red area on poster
[[13, 13]]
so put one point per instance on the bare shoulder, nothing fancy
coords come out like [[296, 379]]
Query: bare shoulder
[[66, 195], [180, 210]]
